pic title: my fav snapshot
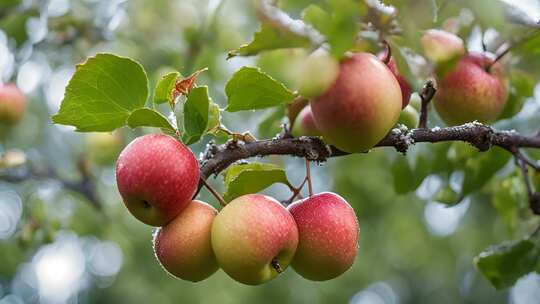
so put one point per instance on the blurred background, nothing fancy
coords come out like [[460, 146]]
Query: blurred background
[[57, 246]]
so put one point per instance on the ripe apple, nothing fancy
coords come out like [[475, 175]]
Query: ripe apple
[[254, 238], [403, 83], [304, 125], [12, 104], [409, 117], [440, 46], [361, 106], [183, 247], [470, 92], [328, 236], [157, 177]]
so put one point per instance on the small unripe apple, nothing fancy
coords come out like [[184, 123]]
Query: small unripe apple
[[470, 92], [440, 46], [12, 104], [304, 124], [409, 117], [157, 177], [103, 148], [328, 236], [183, 247], [317, 73], [254, 238], [403, 83], [361, 106]]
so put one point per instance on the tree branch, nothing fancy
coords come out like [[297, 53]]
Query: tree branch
[[218, 158], [85, 186]]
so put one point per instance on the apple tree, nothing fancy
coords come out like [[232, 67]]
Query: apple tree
[[354, 141]]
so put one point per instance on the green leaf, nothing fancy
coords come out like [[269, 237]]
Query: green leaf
[[479, 170], [164, 88], [270, 37], [196, 115], [102, 94], [339, 24], [318, 18], [271, 123], [504, 264], [508, 196], [521, 87], [251, 178], [146, 117], [251, 89], [403, 176]]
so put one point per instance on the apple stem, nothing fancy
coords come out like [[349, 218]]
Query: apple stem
[[275, 264], [388, 53], [308, 177], [427, 94], [218, 196]]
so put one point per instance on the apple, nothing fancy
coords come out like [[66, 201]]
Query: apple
[[409, 117], [12, 104], [183, 247], [440, 46], [157, 177], [403, 83], [304, 125], [470, 92], [103, 148], [317, 73], [254, 238], [361, 106], [328, 236]]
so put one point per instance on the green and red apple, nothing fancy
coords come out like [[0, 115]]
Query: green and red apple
[[440, 46], [304, 125], [12, 104], [409, 117], [474, 90], [361, 106], [157, 177], [183, 247], [403, 83], [254, 238], [328, 236]]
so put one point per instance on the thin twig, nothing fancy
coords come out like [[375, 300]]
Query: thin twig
[[308, 177], [427, 94], [534, 197], [218, 196], [512, 46]]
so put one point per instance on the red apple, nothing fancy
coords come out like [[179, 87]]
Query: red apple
[[470, 92], [157, 177], [254, 238], [304, 124], [361, 106], [328, 236], [12, 104], [183, 246], [403, 83], [440, 46]]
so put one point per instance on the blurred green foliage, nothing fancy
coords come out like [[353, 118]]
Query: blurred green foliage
[[423, 216]]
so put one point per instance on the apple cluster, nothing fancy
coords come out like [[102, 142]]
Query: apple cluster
[[360, 99], [253, 238]]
